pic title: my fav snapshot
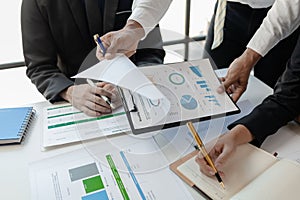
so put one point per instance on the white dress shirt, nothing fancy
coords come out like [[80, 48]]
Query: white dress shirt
[[149, 12], [282, 19]]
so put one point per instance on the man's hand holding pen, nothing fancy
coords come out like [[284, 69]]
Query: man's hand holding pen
[[88, 99], [122, 41], [205, 156], [221, 149]]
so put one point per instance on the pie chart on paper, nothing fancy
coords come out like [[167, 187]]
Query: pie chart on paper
[[188, 102]]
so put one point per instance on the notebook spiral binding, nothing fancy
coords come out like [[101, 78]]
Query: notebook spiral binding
[[26, 123]]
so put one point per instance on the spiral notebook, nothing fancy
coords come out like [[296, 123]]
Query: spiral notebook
[[14, 123]]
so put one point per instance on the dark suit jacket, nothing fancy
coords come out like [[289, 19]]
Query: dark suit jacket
[[281, 107], [58, 35]]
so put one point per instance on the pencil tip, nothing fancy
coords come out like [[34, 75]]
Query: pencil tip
[[222, 184]]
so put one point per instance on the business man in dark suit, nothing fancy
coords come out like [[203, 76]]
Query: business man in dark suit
[[274, 112], [58, 35]]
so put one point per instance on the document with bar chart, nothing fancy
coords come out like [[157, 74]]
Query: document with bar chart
[[112, 174], [190, 87]]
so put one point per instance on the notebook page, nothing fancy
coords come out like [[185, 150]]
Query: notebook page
[[246, 163], [280, 181]]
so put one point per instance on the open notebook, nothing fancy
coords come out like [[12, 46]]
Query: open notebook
[[251, 173]]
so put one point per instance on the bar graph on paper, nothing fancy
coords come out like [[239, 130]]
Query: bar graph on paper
[[77, 175]]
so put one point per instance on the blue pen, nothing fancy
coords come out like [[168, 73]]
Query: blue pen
[[99, 42]]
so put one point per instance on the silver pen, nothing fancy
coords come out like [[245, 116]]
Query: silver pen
[[105, 98]]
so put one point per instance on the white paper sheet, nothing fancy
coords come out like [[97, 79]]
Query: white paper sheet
[[122, 72], [64, 124], [191, 89], [74, 175]]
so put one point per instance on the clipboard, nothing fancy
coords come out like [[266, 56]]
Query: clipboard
[[179, 162], [190, 87]]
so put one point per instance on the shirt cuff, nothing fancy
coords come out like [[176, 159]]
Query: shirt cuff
[[262, 42], [147, 21]]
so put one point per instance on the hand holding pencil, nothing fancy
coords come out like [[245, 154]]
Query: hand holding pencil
[[223, 148], [206, 156]]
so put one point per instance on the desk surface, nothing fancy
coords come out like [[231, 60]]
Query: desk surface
[[15, 159]]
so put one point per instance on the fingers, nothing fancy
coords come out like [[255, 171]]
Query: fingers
[[113, 47], [93, 109], [232, 87], [223, 157], [111, 88], [130, 53], [90, 112], [107, 86], [88, 99], [99, 53], [94, 105], [98, 105], [204, 167], [227, 83], [122, 41], [237, 94], [98, 91]]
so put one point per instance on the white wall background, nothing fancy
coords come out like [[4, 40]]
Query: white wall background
[[10, 34]]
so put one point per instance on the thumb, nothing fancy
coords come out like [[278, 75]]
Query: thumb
[[112, 49], [227, 83]]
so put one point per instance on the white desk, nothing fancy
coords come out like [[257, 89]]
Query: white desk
[[15, 159]]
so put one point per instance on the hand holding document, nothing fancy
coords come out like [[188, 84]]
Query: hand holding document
[[122, 72], [177, 93], [105, 98]]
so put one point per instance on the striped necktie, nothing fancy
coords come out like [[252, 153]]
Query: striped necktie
[[219, 23]]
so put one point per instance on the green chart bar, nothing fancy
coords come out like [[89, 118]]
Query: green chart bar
[[117, 177], [85, 120]]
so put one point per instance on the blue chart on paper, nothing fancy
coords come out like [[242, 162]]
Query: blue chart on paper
[[188, 102], [203, 85], [212, 98], [196, 70]]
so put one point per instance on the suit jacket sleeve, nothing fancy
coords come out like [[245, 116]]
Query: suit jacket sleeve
[[281, 107], [40, 52]]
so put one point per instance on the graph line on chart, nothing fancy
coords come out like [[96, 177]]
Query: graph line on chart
[[132, 175]]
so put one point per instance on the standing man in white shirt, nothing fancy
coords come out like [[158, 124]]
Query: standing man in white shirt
[[254, 30], [261, 27], [267, 50]]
